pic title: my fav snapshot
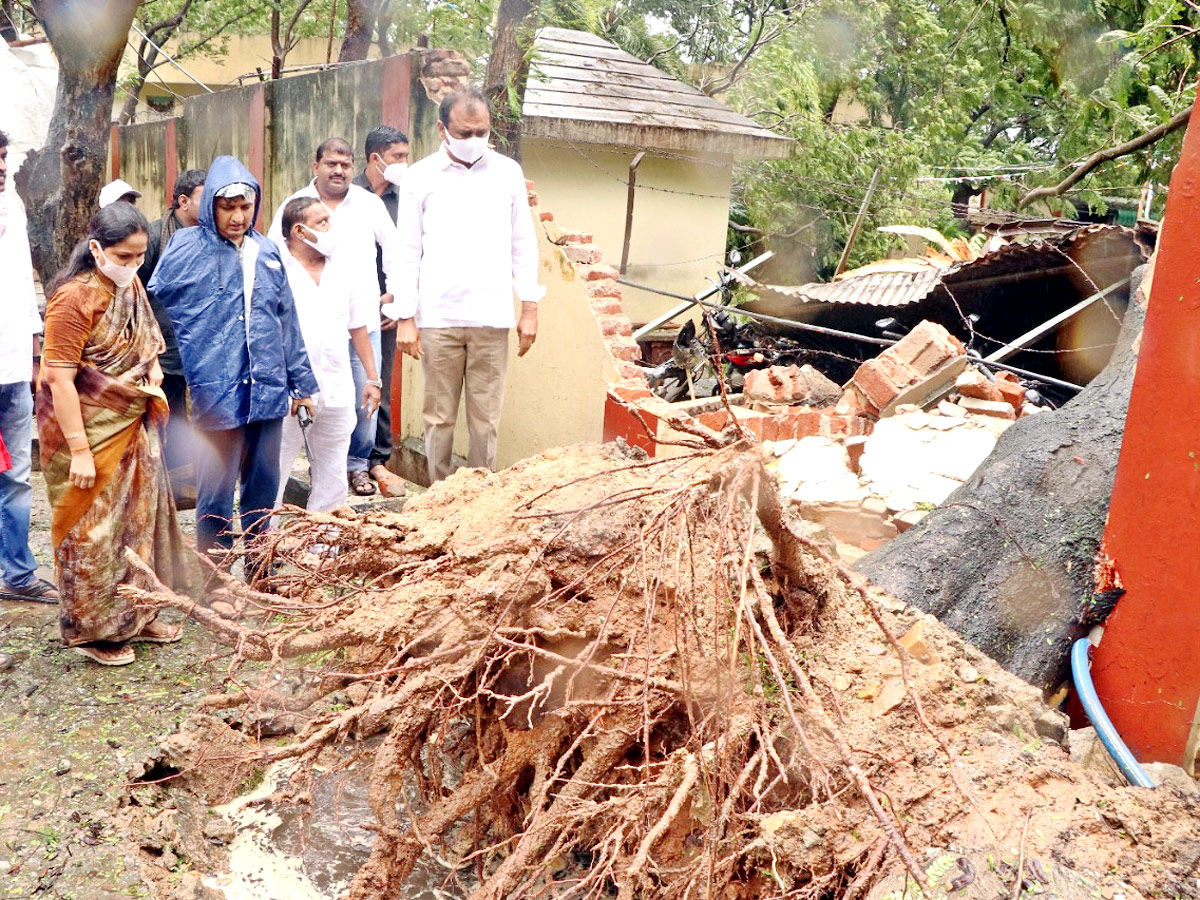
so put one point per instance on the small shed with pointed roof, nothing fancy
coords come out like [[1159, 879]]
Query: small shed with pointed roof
[[589, 109]]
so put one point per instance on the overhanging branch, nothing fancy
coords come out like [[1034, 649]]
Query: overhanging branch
[[1102, 156]]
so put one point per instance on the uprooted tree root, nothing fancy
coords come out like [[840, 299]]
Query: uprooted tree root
[[617, 656]]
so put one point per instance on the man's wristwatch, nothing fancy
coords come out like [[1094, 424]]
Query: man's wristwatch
[[375, 382]]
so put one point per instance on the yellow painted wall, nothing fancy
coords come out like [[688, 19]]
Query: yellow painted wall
[[555, 394], [678, 239]]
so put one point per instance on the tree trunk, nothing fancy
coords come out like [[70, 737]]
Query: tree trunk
[[360, 29], [1007, 560], [508, 70], [60, 182], [146, 64]]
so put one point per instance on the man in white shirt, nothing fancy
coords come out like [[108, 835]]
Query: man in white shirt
[[362, 223], [328, 307], [20, 326], [466, 244]]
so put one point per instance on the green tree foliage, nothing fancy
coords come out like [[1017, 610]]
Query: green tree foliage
[[954, 89], [1000, 94]]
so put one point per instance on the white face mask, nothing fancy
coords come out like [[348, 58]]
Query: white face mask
[[468, 150], [392, 173], [326, 241], [121, 276]]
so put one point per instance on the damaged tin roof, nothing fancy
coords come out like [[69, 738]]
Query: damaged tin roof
[[912, 280]]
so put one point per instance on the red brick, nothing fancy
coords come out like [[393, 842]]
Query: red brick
[[545, 216], [756, 427], [576, 237], [1013, 394], [582, 255], [599, 273], [973, 383], [605, 306], [849, 405], [926, 348], [529, 185], [802, 421], [613, 325], [630, 373], [770, 428], [624, 348], [533, 199], [874, 386], [630, 394], [716, 419], [606, 288]]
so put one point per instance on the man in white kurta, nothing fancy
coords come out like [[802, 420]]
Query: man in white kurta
[[330, 310], [363, 223], [466, 243], [20, 326]]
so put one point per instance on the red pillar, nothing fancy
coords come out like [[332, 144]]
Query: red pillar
[[171, 151], [114, 150], [1147, 669]]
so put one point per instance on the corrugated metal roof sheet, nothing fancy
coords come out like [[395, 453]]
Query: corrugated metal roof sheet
[[903, 288], [581, 87]]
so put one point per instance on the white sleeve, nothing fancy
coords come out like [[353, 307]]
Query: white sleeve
[[524, 245], [402, 283], [275, 232], [363, 302], [22, 275], [386, 238]]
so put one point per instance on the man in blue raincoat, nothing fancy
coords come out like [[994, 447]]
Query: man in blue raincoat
[[226, 292]]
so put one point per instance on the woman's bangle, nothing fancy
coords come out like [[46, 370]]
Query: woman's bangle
[[74, 434], [80, 449]]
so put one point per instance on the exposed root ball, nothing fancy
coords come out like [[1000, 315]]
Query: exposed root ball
[[597, 675]]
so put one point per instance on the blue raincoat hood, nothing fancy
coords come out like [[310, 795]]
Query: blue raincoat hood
[[224, 171], [243, 357]]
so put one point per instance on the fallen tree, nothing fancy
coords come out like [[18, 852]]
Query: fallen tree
[[1007, 560], [596, 674]]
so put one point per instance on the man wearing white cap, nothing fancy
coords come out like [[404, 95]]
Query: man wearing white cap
[[118, 190]]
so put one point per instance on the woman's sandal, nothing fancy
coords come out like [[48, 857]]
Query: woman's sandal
[[155, 632], [107, 653]]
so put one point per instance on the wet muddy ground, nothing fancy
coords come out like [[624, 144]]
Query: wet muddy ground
[[72, 737], [71, 734]]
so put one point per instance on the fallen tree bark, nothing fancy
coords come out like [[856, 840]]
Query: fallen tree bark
[[1007, 561]]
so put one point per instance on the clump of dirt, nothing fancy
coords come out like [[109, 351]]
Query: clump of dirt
[[594, 674]]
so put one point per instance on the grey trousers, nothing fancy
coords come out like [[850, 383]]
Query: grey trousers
[[454, 358]]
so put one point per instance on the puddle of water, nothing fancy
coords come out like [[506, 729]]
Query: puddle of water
[[309, 853]]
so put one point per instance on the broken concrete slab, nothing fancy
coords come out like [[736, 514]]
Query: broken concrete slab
[[997, 409], [914, 466], [791, 385]]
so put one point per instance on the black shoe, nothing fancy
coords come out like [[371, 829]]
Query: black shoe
[[41, 591]]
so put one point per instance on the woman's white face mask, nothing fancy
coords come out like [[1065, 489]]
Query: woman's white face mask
[[121, 276]]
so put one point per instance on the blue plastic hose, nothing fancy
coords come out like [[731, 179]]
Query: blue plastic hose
[[1105, 730]]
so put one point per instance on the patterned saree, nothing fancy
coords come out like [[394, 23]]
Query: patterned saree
[[130, 505]]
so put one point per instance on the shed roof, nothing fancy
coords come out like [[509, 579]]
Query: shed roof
[[582, 88], [1015, 260]]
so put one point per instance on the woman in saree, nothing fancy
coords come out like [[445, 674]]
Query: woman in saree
[[100, 411]]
